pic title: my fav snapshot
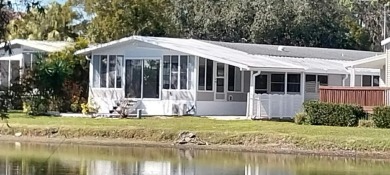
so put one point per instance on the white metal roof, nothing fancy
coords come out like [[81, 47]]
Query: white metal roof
[[47, 46], [371, 62], [210, 51], [239, 58], [323, 66]]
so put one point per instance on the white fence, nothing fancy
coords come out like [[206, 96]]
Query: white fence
[[274, 105]]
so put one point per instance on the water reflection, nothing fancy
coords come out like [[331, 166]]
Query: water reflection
[[32, 159]]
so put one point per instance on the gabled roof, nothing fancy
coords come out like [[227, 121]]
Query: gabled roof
[[210, 51], [299, 52], [47, 46]]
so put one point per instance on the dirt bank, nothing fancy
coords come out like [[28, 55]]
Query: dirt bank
[[266, 148]]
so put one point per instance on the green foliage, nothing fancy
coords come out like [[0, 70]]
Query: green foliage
[[58, 81], [301, 118], [53, 24], [366, 123], [119, 18], [381, 117], [329, 114]]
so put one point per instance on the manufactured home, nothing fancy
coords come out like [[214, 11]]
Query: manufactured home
[[19, 55], [171, 76]]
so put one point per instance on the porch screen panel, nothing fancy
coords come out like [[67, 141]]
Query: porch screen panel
[[174, 71], [151, 75], [133, 75], [183, 72], [166, 71], [27, 61], [103, 71], [191, 77], [95, 71], [293, 83], [209, 75], [119, 72], [15, 71], [4, 72], [202, 74], [261, 84], [111, 71], [277, 82]]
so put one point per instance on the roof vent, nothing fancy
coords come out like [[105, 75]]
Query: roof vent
[[281, 48]]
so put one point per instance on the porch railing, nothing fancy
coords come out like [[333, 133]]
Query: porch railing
[[363, 96], [274, 105]]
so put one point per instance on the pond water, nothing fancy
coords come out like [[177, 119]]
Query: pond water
[[28, 159]]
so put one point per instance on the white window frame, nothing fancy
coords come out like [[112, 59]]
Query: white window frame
[[205, 76], [179, 72], [108, 68], [372, 80], [294, 83], [142, 78], [227, 79], [317, 82]]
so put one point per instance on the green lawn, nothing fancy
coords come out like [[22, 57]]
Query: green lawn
[[214, 131]]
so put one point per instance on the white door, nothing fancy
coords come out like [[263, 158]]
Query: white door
[[220, 93]]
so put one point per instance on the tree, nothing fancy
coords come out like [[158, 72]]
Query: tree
[[7, 13], [120, 18], [56, 23], [369, 15]]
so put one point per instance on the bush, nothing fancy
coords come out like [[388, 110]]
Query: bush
[[381, 117], [329, 114], [300, 118], [366, 123]]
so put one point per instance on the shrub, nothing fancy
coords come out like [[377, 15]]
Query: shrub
[[300, 118], [381, 117], [329, 114], [366, 123]]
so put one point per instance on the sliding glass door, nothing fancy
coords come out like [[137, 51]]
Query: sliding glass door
[[142, 78]]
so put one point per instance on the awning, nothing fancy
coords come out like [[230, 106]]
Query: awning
[[375, 62]]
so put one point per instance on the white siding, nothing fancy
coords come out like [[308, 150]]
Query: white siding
[[335, 80]]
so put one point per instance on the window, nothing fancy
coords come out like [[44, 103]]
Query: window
[[366, 80], [261, 84], [375, 81], [277, 82], [175, 72], [370, 80], [107, 71], [234, 79], [311, 83], [205, 74], [314, 81], [209, 75], [323, 80], [293, 83]]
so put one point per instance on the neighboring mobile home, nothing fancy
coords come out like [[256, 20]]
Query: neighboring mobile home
[[170, 76], [21, 56]]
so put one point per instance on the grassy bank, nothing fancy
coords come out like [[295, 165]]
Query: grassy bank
[[216, 132]]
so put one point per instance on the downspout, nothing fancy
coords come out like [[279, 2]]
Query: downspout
[[345, 78]]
